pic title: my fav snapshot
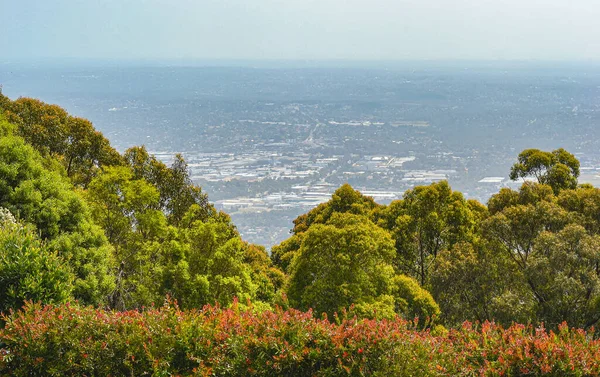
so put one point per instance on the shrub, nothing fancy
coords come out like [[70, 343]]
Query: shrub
[[28, 269], [69, 340]]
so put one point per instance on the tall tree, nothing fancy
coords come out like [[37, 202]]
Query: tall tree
[[345, 262], [426, 221], [565, 277], [556, 258], [339, 264], [85, 151], [177, 191], [472, 282], [559, 169], [344, 200], [128, 211], [74, 142]]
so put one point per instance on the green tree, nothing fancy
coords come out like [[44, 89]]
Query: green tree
[[218, 255], [428, 220], [413, 301], [346, 263], [559, 169], [268, 278], [584, 204], [86, 150], [6, 128], [128, 211], [28, 269], [40, 124], [90, 257], [341, 263], [344, 199], [564, 277], [47, 200], [177, 191], [515, 227], [125, 207], [282, 254], [199, 263], [206, 264], [555, 257], [74, 142], [471, 282]]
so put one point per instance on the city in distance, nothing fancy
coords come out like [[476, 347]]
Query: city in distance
[[270, 140]]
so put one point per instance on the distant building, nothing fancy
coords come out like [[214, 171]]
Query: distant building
[[492, 180]]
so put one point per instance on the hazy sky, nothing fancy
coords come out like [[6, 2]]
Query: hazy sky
[[301, 29]]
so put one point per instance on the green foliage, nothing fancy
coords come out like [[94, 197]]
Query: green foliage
[[74, 142], [282, 254], [35, 194], [217, 258], [555, 256], [268, 278], [6, 128], [344, 199], [563, 275], [128, 231], [121, 204], [177, 192], [201, 262], [414, 301], [86, 151], [468, 282], [584, 205], [530, 256], [128, 211], [90, 257], [47, 200], [341, 263], [559, 169], [28, 269], [428, 220]]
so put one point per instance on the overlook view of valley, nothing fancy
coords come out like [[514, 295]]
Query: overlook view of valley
[[268, 141], [300, 188]]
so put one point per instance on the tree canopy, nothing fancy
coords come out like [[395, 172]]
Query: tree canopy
[[347, 262], [81, 221], [72, 141], [130, 230], [559, 169], [426, 221], [46, 200]]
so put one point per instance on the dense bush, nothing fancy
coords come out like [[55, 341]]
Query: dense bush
[[28, 269], [69, 340], [46, 200]]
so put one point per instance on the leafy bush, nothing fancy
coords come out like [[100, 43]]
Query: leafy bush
[[46, 200], [28, 269], [69, 340]]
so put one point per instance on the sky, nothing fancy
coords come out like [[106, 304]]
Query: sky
[[301, 29]]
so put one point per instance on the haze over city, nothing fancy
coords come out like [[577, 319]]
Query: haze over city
[[301, 29]]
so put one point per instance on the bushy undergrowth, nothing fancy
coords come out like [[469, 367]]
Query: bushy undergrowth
[[69, 340]]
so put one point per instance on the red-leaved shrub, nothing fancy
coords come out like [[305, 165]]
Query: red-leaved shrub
[[69, 340]]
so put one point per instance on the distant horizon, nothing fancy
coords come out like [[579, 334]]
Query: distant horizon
[[286, 63]]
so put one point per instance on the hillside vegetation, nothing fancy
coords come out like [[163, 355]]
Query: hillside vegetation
[[91, 238]]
